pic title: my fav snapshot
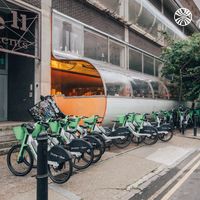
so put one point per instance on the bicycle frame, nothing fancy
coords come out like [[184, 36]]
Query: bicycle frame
[[30, 141], [131, 127], [107, 138]]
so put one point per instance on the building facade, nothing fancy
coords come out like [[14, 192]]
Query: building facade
[[128, 34]]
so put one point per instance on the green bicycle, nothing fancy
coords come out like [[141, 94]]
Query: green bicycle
[[21, 156]]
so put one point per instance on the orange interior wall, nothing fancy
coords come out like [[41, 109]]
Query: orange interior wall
[[82, 106]]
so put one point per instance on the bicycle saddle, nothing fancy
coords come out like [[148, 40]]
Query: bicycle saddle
[[29, 126]]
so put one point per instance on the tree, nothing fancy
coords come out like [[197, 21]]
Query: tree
[[182, 67]]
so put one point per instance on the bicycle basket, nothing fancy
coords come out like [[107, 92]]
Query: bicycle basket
[[131, 117], [54, 106], [19, 132], [54, 127], [121, 119], [90, 120], [139, 119], [42, 111], [37, 130], [73, 123]]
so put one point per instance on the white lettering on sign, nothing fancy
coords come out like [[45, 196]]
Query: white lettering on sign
[[2, 23], [23, 28], [13, 42], [15, 20]]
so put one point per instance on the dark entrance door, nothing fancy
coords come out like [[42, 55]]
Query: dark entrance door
[[20, 87]]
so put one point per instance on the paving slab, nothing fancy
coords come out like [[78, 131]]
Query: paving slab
[[169, 155], [109, 179]]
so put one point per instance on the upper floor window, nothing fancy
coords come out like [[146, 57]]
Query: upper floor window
[[135, 60], [148, 65], [95, 46], [158, 67], [67, 35], [117, 53]]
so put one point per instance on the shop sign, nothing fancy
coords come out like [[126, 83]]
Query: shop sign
[[18, 30]]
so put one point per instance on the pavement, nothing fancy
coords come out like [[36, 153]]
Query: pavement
[[189, 189], [121, 173]]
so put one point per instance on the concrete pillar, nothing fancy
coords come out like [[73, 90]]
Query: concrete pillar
[[126, 48], [126, 9], [45, 70], [126, 31]]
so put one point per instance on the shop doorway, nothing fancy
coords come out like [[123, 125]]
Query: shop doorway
[[20, 87], [3, 86]]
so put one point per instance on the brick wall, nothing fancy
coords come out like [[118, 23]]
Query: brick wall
[[90, 15], [36, 3]]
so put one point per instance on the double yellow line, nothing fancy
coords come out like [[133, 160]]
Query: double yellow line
[[180, 182]]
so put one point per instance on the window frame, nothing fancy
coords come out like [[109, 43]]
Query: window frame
[[153, 64], [98, 35], [132, 49], [120, 44]]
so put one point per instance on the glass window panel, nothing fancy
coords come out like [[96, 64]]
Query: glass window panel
[[134, 10], [74, 84], [160, 91], [141, 89], [145, 19], [156, 29], [2, 61], [135, 60], [116, 84], [170, 35], [158, 67], [67, 35], [117, 54], [148, 65], [170, 32], [95, 46]]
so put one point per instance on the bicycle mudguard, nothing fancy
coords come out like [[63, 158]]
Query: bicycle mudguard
[[79, 145], [58, 154], [155, 124], [148, 130], [122, 131], [95, 142], [164, 127]]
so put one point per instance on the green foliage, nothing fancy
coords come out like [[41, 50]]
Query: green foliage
[[182, 66]]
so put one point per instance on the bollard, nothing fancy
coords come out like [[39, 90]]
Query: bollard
[[42, 173], [195, 125]]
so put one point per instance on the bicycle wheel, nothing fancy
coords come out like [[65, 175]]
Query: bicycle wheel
[[25, 163], [83, 160], [136, 140], [122, 143], [60, 173], [97, 149], [103, 143], [165, 137], [150, 140]]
